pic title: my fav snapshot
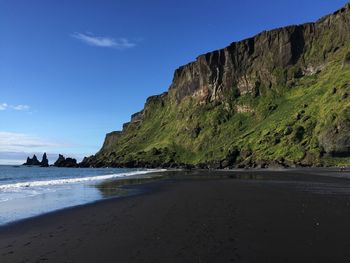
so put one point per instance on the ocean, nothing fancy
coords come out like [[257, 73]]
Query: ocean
[[31, 191]]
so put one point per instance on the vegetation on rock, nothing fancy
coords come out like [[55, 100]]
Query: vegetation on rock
[[279, 98]]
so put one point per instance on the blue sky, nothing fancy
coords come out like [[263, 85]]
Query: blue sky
[[71, 71]]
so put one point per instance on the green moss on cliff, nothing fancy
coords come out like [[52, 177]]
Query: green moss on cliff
[[298, 113], [274, 125]]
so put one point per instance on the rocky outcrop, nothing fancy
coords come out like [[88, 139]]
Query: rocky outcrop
[[35, 162], [249, 79], [65, 162], [111, 139], [44, 161], [137, 117], [32, 161], [335, 139]]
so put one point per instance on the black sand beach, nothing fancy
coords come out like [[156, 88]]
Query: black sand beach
[[286, 216]]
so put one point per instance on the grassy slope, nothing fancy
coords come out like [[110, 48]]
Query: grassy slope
[[284, 122]]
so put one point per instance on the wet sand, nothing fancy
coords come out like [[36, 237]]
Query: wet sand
[[215, 217]]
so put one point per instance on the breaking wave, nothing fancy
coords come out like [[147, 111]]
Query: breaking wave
[[73, 180]]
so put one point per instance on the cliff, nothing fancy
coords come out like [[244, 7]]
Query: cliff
[[278, 98]]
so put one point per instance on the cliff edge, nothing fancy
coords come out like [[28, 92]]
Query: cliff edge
[[278, 98]]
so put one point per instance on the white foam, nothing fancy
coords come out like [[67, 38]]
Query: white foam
[[73, 180]]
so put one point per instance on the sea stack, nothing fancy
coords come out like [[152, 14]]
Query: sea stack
[[44, 161], [65, 162], [32, 161]]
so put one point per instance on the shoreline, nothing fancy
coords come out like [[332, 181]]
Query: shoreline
[[147, 187], [33, 191], [207, 215], [141, 188], [186, 167]]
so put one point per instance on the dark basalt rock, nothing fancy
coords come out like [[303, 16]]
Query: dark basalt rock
[[28, 162], [32, 161], [35, 160], [65, 162], [44, 161], [336, 138], [60, 160]]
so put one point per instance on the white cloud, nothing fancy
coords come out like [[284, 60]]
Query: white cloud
[[20, 107], [3, 106], [90, 39], [11, 141]]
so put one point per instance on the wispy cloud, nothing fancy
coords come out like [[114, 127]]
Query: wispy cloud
[[99, 41], [12, 141], [3, 106], [15, 147], [19, 107]]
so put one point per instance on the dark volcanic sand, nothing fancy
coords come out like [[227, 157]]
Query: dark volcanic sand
[[283, 218]]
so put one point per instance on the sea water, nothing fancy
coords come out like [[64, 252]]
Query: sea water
[[31, 191]]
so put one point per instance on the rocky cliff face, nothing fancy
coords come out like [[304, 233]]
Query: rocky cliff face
[[279, 97], [269, 59]]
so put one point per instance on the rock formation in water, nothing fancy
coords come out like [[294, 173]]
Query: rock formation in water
[[280, 98], [33, 161], [44, 161], [65, 162]]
